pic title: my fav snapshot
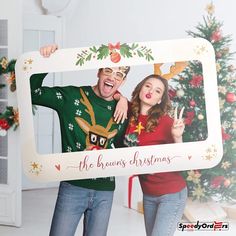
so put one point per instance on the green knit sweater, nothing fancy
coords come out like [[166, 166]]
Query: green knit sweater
[[85, 122]]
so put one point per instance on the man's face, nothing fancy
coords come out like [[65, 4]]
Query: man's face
[[109, 80]]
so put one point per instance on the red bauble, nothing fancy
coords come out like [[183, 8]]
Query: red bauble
[[225, 136], [227, 182], [192, 103], [196, 80], [218, 55], [115, 57], [4, 124], [189, 117], [216, 36], [217, 181], [230, 97], [172, 93]]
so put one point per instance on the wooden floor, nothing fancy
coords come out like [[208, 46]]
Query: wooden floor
[[38, 207]]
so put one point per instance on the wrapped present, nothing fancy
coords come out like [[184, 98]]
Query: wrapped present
[[203, 211], [230, 210], [133, 194], [140, 207]]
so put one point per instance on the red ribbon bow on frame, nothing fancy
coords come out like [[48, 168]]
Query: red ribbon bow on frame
[[112, 47]]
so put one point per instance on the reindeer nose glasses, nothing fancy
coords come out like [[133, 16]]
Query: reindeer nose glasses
[[118, 75], [97, 139]]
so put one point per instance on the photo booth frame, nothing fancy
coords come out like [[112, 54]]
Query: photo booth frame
[[120, 161]]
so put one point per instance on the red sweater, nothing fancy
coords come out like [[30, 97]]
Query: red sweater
[[158, 183]]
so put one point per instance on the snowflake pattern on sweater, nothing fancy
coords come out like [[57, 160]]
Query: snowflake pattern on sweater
[[86, 121]]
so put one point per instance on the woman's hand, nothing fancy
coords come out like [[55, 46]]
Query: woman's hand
[[178, 126], [46, 51], [121, 111]]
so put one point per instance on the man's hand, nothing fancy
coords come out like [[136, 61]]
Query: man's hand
[[46, 51]]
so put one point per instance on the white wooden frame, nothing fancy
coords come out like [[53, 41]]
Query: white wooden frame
[[170, 157]]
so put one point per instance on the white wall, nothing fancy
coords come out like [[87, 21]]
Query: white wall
[[32, 7], [94, 22], [103, 21]]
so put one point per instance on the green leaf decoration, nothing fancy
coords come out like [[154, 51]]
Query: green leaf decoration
[[140, 54], [125, 50], [134, 46], [93, 49], [88, 58], [103, 52], [80, 62]]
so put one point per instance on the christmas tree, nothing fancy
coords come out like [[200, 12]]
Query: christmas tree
[[218, 182]]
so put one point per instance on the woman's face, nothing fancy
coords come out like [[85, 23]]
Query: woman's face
[[151, 92]]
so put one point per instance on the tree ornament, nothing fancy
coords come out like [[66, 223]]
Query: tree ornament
[[218, 55], [200, 116], [225, 136], [3, 132], [234, 125], [13, 87], [189, 117], [210, 8], [196, 81], [235, 113], [172, 93], [225, 165], [217, 181], [216, 36], [192, 103], [222, 89], [4, 63], [230, 97], [180, 93], [218, 67], [4, 124], [231, 68], [225, 50], [227, 182]]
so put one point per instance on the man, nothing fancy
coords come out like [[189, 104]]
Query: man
[[87, 123]]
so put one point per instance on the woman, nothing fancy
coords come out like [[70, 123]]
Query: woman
[[164, 194]]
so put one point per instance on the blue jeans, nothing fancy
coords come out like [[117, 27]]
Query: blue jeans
[[162, 213], [73, 202]]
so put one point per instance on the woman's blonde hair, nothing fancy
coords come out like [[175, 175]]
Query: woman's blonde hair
[[154, 112]]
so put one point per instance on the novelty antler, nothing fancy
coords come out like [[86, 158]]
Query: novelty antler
[[175, 69]]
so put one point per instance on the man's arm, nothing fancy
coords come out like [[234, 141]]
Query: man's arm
[[42, 95]]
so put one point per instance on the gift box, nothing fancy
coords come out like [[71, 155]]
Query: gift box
[[230, 210], [133, 194], [203, 211]]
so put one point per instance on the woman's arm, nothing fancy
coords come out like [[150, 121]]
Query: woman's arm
[[121, 111]]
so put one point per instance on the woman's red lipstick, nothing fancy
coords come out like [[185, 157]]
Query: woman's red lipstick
[[148, 96]]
